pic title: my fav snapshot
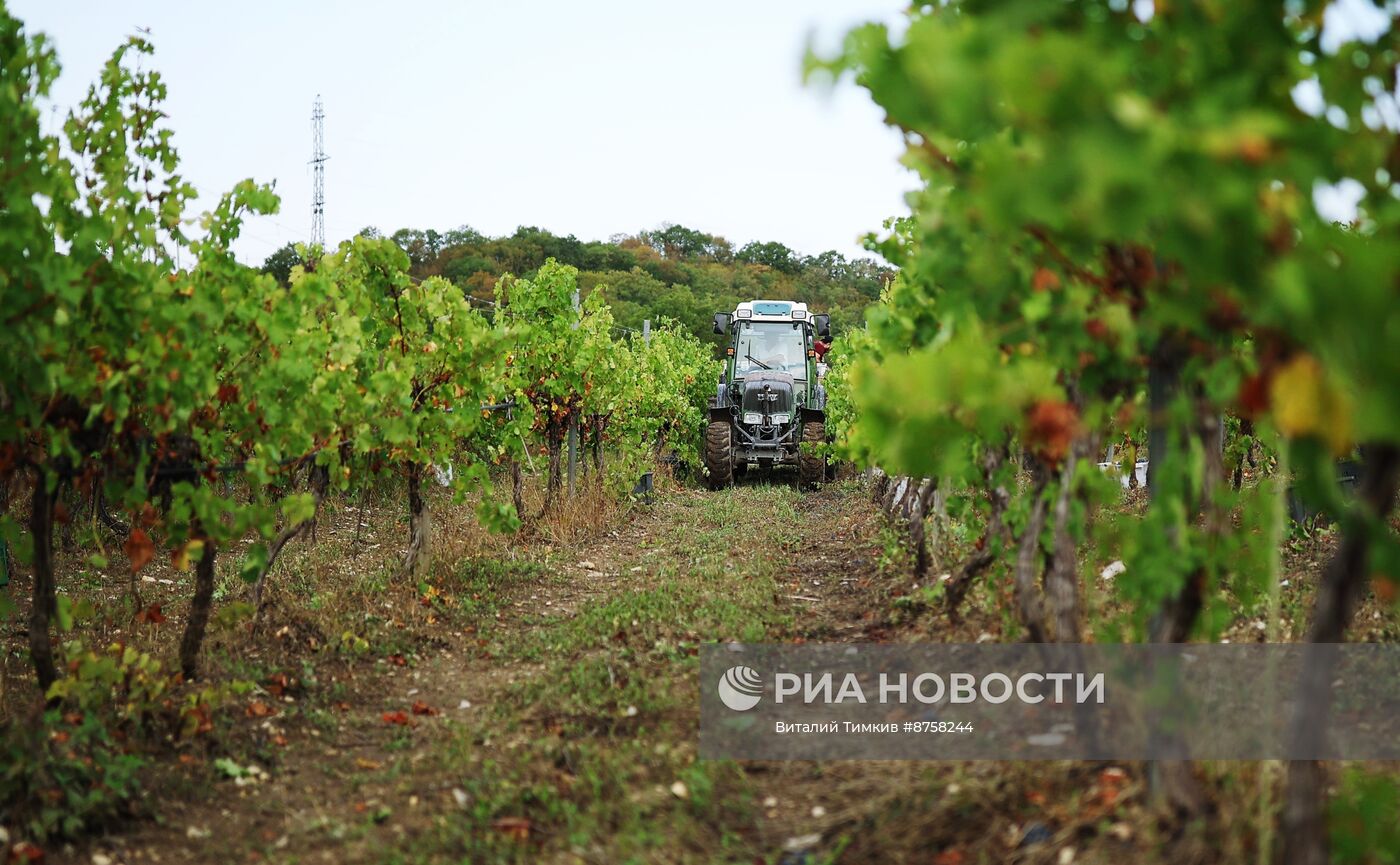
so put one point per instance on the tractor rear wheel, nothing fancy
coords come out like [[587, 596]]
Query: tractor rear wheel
[[811, 467], [719, 456]]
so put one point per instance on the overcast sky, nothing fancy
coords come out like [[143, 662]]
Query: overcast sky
[[585, 118]]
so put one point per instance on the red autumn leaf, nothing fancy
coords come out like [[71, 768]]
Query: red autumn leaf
[[1050, 428], [1044, 279], [204, 718], [397, 660], [399, 718], [1097, 330], [422, 708], [227, 393], [515, 828], [148, 515], [139, 550], [259, 709], [25, 853], [1384, 587], [951, 856], [151, 615], [1111, 781], [1253, 397], [1253, 148], [60, 513], [277, 684]]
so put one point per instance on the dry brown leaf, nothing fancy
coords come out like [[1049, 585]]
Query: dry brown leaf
[[139, 550], [515, 828]]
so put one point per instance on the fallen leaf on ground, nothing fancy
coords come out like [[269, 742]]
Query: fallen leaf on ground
[[516, 828]]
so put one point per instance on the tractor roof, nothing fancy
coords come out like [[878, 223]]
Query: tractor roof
[[771, 310]]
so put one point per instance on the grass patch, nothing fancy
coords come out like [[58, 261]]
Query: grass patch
[[630, 800], [595, 756]]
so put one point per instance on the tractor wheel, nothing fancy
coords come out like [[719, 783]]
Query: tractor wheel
[[719, 457], [811, 468]]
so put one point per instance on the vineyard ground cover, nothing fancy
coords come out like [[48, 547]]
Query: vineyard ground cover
[[555, 679]]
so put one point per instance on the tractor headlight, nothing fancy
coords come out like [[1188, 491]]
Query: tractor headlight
[[752, 417], [780, 418]]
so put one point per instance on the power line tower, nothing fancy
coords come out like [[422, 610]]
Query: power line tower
[[318, 161]]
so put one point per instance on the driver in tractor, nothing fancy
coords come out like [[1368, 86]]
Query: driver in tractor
[[779, 359]]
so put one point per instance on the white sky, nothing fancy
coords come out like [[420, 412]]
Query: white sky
[[585, 118]]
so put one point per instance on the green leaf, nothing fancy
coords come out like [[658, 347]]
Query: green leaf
[[254, 562], [229, 768], [63, 613]]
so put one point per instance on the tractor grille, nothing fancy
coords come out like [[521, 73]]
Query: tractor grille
[[767, 393]]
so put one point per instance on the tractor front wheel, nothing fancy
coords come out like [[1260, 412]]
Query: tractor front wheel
[[811, 467], [719, 454]]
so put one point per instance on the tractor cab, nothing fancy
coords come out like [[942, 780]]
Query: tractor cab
[[770, 399]]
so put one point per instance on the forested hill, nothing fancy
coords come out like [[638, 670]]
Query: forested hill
[[672, 272]]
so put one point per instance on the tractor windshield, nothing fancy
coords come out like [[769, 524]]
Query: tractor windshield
[[773, 345]]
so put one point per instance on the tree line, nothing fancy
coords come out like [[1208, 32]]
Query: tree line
[[672, 272]]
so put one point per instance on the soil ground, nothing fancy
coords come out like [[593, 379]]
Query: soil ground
[[535, 700]]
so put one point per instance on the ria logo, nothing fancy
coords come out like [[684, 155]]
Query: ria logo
[[740, 688]]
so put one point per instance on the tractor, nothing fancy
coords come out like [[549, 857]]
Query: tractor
[[770, 401]]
